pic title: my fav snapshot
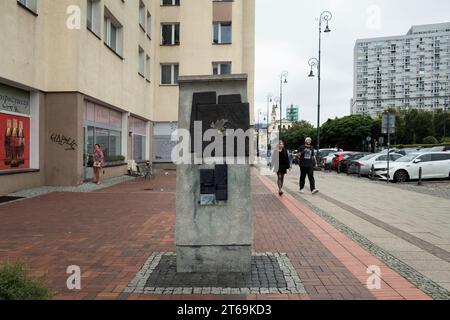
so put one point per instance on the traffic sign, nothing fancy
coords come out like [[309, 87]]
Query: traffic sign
[[388, 124]]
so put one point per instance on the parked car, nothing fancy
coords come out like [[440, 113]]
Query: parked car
[[322, 153], [338, 157], [406, 151], [327, 160], [434, 165], [349, 159], [364, 165], [441, 148]]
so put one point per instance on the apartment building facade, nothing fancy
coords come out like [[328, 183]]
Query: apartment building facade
[[74, 73], [403, 72]]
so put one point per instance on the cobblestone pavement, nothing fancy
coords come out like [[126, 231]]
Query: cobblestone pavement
[[111, 233], [408, 231]]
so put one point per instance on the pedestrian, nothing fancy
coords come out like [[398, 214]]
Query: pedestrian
[[280, 164], [99, 162], [307, 164]]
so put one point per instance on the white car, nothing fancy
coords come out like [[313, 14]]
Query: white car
[[379, 159], [434, 165]]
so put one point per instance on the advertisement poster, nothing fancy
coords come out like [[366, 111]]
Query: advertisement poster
[[14, 142]]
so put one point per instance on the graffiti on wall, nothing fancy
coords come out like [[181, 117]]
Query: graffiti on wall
[[68, 143]]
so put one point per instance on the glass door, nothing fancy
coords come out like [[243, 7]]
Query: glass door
[[88, 153]]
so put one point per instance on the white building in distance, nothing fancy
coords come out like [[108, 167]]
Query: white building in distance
[[404, 72]]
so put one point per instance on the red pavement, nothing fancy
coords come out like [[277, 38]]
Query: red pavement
[[111, 233]]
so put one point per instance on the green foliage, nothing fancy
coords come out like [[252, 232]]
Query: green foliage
[[296, 135], [348, 132], [14, 285], [430, 140]]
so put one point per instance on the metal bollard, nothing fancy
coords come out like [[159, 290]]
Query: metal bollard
[[348, 169], [420, 177], [339, 168], [372, 172], [359, 171]]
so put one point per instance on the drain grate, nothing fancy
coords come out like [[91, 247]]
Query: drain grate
[[271, 273]]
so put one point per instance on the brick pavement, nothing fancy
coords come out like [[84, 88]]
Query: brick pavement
[[111, 233]]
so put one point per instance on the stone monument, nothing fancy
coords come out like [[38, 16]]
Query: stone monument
[[214, 228]]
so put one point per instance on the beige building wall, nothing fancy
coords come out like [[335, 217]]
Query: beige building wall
[[64, 67], [196, 51]]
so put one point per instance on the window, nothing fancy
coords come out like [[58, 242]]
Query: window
[[113, 33], [138, 132], [93, 16], [170, 2], [222, 33], [149, 24], [440, 157], [104, 127], [142, 15], [170, 34], [169, 74], [148, 72], [425, 158], [220, 68], [29, 4], [138, 148], [141, 68]]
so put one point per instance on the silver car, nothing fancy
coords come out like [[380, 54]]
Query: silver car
[[365, 164]]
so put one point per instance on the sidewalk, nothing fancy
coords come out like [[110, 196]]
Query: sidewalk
[[111, 233], [408, 230]]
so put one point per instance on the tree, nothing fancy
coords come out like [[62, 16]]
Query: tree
[[297, 134], [348, 133]]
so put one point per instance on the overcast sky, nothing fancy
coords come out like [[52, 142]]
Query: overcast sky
[[287, 36]]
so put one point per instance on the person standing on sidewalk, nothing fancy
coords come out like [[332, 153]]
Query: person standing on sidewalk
[[307, 163], [280, 164], [99, 162]]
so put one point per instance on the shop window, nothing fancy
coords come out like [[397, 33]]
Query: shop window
[[15, 149]]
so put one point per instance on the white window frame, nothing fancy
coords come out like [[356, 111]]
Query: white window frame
[[110, 20], [149, 24], [148, 70], [219, 35], [142, 14], [173, 27], [141, 63], [95, 16], [219, 67], [173, 3], [172, 76]]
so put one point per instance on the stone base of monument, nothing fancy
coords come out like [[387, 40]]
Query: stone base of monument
[[270, 273], [214, 259]]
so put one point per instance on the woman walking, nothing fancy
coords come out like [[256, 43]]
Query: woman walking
[[99, 162], [280, 163]]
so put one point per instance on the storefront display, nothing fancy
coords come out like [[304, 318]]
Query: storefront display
[[15, 142]]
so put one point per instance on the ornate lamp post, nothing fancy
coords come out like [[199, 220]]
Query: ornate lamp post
[[325, 17], [283, 80], [269, 101]]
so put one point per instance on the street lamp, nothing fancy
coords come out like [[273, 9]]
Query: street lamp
[[269, 101], [325, 17], [283, 80]]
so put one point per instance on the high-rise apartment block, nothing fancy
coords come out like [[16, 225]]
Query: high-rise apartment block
[[404, 72]]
